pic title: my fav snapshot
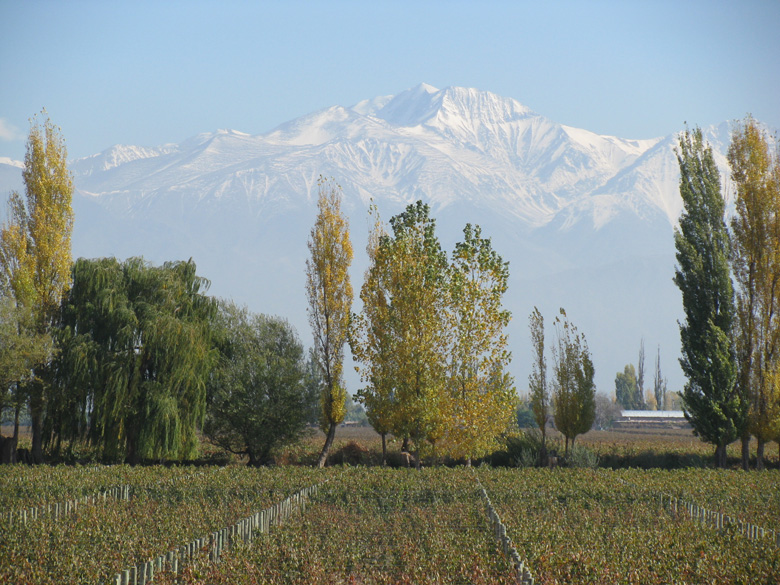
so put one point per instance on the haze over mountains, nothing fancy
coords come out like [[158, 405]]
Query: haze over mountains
[[586, 221]]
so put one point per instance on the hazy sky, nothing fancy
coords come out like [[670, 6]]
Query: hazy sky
[[147, 73]]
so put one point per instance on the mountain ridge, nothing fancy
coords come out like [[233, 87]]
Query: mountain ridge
[[563, 205]]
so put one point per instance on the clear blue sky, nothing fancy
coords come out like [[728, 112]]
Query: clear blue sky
[[148, 73]]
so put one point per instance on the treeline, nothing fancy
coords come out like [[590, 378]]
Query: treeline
[[630, 385], [730, 284], [131, 359], [135, 360]]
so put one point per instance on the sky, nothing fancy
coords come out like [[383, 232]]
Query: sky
[[151, 73]]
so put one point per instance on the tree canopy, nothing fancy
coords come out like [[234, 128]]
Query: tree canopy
[[329, 293], [711, 402], [135, 355], [260, 391], [35, 250]]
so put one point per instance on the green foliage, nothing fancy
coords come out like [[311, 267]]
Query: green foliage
[[626, 390], [135, 354], [525, 415], [35, 251], [329, 293], [430, 340], [258, 392], [537, 380], [22, 348], [755, 172], [574, 392], [712, 404]]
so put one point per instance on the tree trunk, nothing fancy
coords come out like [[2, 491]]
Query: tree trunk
[[17, 412], [326, 447], [720, 456], [760, 454], [384, 449], [746, 452], [405, 445], [37, 433]]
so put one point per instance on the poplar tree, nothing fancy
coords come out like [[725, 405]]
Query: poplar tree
[[574, 392], [537, 380], [401, 339], [417, 304], [756, 252], [482, 394], [659, 383], [329, 292], [35, 248], [626, 390], [640, 376], [370, 340], [711, 402]]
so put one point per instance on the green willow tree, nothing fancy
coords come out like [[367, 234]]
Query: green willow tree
[[711, 401], [755, 172], [35, 251], [329, 292], [136, 352]]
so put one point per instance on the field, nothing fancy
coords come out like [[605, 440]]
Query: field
[[369, 524]]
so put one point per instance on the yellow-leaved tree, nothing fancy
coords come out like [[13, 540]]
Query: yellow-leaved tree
[[401, 338], [370, 341], [481, 394], [329, 292], [35, 246], [755, 172]]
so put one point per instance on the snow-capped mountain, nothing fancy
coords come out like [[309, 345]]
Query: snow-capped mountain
[[585, 220]]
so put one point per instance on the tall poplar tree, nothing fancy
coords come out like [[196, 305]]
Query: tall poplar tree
[[711, 402], [371, 342], [402, 338], [537, 380], [640, 376], [36, 248], [755, 227], [329, 292], [482, 395], [418, 321], [659, 383], [574, 392]]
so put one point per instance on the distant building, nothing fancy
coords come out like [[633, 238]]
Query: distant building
[[651, 419]]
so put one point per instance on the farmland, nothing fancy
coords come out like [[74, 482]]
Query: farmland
[[375, 525]]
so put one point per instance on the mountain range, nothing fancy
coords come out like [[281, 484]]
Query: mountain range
[[586, 221]]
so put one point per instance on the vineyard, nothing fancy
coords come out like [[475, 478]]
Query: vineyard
[[373, 525]]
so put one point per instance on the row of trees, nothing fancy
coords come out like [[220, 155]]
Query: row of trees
[[629, 385], [430, 340], [730, 284], [131, 358]]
